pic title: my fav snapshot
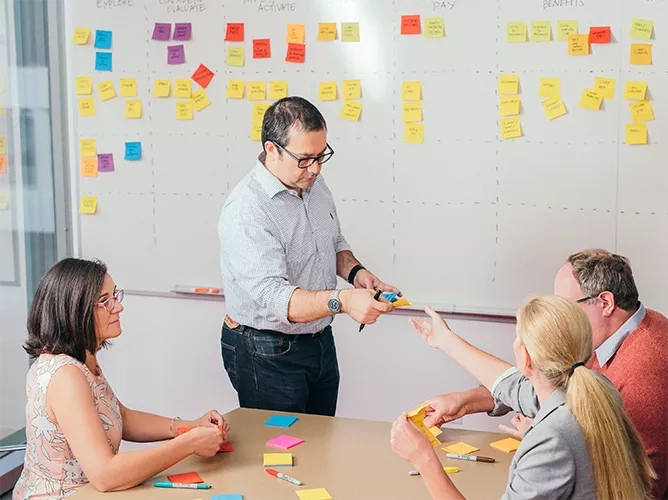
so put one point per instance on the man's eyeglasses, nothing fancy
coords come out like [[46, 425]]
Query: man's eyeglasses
[[308, 161], [110, 303], [584, 299]]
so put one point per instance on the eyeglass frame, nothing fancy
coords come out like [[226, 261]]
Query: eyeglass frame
[[118, 295], [312, 158]]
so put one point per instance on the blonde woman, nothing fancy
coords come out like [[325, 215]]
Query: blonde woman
[[581, 443]]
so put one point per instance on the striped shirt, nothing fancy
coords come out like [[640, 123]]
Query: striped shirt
[[273, 242]]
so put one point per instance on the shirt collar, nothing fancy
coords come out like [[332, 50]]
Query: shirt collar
[[271, 185], [556, 399], [608, 348]]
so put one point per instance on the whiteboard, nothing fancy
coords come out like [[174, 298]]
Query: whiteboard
[[465, 221]]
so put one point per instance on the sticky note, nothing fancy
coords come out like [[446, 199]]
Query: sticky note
[[295, 33], [182, 88], [508, 84], [105, 162], [229, 496], [236, 56], [350, 32], [161, 88], [635, 90], [411, 112], [106, 90], [103, 61], [434, 27], [4, 200], [81, 36], [605, 87], [436, 431], [411, 25], [554, 107], [226, 447], [641, 29], [202, 76], [88, 205], [511, 128], [411, 91], [133, 108], [84, 85], [641, 111], [509, 106], [259, 109], [541, 31], [636, 134], [102, 39], [89, 167], [414, 133], [566, 28], [185, 110], [591, 100], [186, 477], [257, 91], [516, 32], [549, 87], [281, 421], [3, 145], [296, 53], [132, 151], [402, 302], [351, 89], [578, 45], [176, 54], [327, 91], [599, 34], [234, 32], [235, 89], [256, 131], [128, 87], [508, 445], [183, 31], [417, 416], [278, 89], [87, 147], [284, 442], [314, 494], [460, 448], [261, 48], [351, 111], [326, 32], [3, 166], [277, 459], [200, 100], [641, 54], [162, 31], [86, 106]]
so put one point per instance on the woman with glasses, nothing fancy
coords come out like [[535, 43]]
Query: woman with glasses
[[74, 422]]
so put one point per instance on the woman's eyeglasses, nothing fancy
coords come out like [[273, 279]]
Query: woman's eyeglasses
[[110, 303]]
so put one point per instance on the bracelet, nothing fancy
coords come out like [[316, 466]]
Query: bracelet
[[171, 424], [353, 272]]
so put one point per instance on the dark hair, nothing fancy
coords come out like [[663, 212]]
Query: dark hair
[[62, 315], [286, 113]]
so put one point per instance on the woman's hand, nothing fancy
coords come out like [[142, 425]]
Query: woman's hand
[[435, 333], [214, 419], [409, 443]]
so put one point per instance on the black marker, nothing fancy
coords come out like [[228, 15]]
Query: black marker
[[375, 297]]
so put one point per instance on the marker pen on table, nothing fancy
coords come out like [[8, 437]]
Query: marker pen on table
[[189, 486], [448, 470], [285, 477], [472, 458]]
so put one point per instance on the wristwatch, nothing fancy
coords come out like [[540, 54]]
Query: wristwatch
[[334, 303]]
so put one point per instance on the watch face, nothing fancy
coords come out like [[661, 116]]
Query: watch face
[[333, 305]]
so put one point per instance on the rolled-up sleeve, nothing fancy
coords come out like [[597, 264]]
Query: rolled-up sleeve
[[513, 391], [341, 243]]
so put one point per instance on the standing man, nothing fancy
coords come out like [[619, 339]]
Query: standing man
[[281, 251]]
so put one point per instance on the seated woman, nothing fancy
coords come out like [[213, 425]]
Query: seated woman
[[581, 443], [74, 422]]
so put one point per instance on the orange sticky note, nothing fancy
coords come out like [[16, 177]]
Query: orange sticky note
[[599, 34], [460, 448], [202, 76], [3, 164], [641, 54], [578, 45], [187, 477], [261, 48], [410, 25], [89, 167], [295, 33], [234, 32], [508, 445], [296, 53]]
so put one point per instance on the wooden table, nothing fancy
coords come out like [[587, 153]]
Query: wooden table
[[351, 458]]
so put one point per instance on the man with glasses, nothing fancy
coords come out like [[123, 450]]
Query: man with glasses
[[281, 252]]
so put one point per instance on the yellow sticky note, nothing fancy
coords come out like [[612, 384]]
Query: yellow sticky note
[[635, 90], [256, 131], [278, 89], [591, 100], [402, 302], [511, 128], [417, 416], [411, 91], [314, 494], [133, 108], [351, 89], [414, 133], [86, 106], [541, 31], [87, 147], [549, 87], [508, 445], [277, 459], [436, 431], [641, 54], [128, 87], [509, 106], [89, 167], [327, 91], [200, 100], [460, 448], [295, 33], [326, 32], [235, 89], [578, 45], [605, 86], [259, 109], [106, 90], [351, 111], [516, 32], [411, 112], [434, 27], [636, 134], [3, 145], [84, 85], [508, 84], [236, 56], [4, 201], [257, 91], [161, 88], [350, 32], [88, 205], [81, 36], [183, 88], [185, 110], [566, 28], [641, 111], [554, 107], [641, 29]]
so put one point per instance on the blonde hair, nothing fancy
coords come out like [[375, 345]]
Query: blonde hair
[[557, 334]]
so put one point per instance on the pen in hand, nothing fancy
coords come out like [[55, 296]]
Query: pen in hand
[[375, 297]]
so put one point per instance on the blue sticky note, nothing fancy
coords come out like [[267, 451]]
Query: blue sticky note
[[233, 496], [390, 296], [102, 39], [103, 61], [132, 151], [281, 421]]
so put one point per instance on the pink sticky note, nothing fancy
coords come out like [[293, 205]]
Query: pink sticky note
[[105, 162], [182, 31], [176, 54], [162, 31], [284, 442]]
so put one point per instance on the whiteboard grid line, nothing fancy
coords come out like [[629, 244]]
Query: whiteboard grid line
[[150, 133]]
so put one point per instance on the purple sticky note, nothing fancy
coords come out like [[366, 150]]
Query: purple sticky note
[[176, 54], [105, 162], [182, 31], [162, 31]]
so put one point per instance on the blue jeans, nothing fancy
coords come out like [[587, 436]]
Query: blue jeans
[[274, 371]]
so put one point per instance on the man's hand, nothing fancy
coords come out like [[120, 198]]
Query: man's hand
[[369, 281], [520, 425], [444, 408], [362, 307]]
